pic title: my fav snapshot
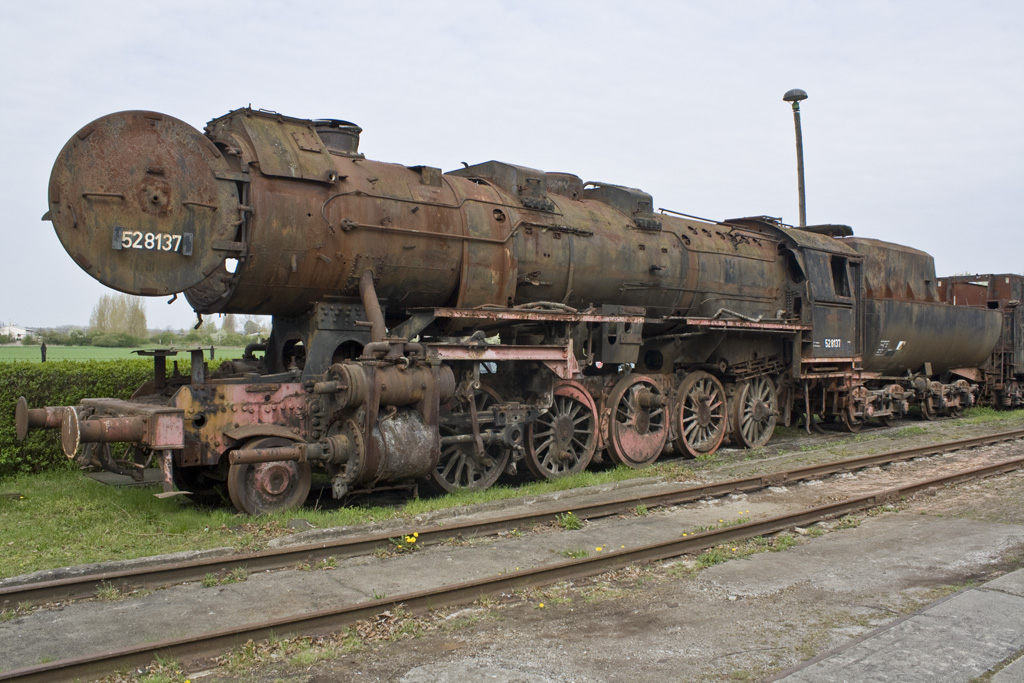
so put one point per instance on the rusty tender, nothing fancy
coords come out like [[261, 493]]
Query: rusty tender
[[452, 326]]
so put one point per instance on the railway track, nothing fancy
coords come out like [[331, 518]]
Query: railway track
[[153, 577], [207, 645]]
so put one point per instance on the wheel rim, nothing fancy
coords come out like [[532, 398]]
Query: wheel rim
[[928, 412], [264, 487], [458, 469], [851, 423], [637, 423], [755, 412], [700, 414], [563, 440]]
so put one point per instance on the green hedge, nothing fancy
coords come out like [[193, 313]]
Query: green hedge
[[57, 383]]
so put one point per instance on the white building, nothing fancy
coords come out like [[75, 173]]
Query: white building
[[15, 333]]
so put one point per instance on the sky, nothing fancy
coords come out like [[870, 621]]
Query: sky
[[913, 131]]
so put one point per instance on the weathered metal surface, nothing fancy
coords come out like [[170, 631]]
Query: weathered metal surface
[[264, 487], [635, 419], [408, 448], [745, 325], [895, 271], [699, 414], [471, 457], [26, 418], [1003, 292], [213, 411], [902, 336], [563, 440], [386, 282], [755, 411], [455, 240], [134, 200], [107, 420], [511, 315]]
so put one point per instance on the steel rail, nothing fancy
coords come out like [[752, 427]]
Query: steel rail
[[329, 620], [82, 587]]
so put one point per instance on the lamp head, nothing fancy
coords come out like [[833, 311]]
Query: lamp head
[[794, 95]]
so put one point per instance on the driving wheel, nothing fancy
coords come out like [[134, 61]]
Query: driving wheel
[[563, 440], [700, 414]]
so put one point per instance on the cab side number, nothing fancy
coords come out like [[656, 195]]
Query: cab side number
[[833, 343]]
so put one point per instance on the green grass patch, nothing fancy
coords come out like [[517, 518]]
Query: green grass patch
[[758, 544], [65, 518], [569, 521], [983, 414]]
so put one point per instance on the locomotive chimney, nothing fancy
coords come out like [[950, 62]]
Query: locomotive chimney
[[796, 96], [341, 137]]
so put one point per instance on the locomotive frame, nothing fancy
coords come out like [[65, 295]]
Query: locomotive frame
[[454, 326]]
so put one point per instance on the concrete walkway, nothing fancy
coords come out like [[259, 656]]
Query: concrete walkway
[[959, 638]]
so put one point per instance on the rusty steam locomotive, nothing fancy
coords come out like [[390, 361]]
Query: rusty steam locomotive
[[455, 326]]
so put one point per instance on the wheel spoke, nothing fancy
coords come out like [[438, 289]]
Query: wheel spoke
[[458, 467], [755, 412], [563, 440]]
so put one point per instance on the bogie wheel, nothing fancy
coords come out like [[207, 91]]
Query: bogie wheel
[[638, 422], [563, 440], [458, 468], [852, 420], [700, 413], [269, 486], [755, 411], [928, 410], [851, 423]]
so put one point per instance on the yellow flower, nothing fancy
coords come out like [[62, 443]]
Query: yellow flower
[[540, 605], [683, 535], [416, 534], [598, 548], [721, 520], [734, 549]]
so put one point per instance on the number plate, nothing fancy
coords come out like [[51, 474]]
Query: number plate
[[152, 241]]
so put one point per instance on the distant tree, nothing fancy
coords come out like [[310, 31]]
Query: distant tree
[[167, 338], [229, 326], [119, 314], [253, 325]]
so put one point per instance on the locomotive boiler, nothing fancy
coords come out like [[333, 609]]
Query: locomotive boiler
[[454, 325]]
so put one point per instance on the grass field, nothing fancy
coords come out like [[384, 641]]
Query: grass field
[[16, 352]]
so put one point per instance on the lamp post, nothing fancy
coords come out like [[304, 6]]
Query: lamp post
[[796, 96]]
